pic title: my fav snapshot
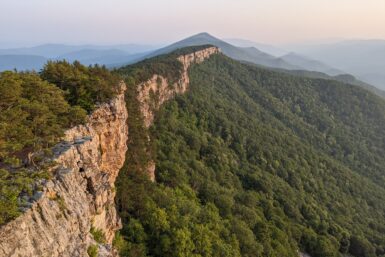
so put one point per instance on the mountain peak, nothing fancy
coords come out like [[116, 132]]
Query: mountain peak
[[250, 54], [203, 36]]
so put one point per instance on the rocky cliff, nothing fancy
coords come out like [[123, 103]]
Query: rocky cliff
[[80, 197], [154, 92], [157, 90], [81, 194]]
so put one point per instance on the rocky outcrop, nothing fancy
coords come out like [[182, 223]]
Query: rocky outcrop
[[157, 90], [154, 92], [81, 194]]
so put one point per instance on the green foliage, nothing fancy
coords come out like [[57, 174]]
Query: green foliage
[[361, 247], [8, 198], [165, 65], [98, 235], [93, 251], [252, 162], [84, 86], [33, 116], [35, 109]]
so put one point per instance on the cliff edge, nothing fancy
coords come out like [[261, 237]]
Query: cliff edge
[[79, 200], [81, 194]]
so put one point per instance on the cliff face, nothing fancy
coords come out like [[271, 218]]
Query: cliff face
[[80, 195], [157, 90], [154, 92]]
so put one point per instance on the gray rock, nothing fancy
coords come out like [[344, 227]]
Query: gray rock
[[87, 138], [23, 209], [79, 141], [61, 148], [37, 196], [25, 198], [27, 205]]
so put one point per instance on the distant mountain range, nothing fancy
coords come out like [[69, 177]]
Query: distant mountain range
[[33, 58], [300, 61], [21, 62], [310, 65], [363, 59], [55, 50], [269, 49]]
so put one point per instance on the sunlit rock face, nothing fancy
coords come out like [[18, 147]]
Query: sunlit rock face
[[80, 195], [157, 90]]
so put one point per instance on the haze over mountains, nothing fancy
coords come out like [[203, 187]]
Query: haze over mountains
[[363, 59], [270, 49], [33, 58]]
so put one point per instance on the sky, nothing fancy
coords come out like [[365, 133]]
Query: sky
[[155, 22]]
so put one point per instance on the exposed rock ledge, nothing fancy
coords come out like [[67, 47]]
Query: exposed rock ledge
[[154, 92], [157, 90], [81, 194]]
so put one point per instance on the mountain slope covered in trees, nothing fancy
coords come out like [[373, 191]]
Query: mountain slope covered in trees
[[254, 162]]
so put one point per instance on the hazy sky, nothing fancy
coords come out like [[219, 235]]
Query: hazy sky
[[162, 21]]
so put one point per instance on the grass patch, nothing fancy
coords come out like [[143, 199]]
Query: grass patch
[[92, 251], [98, 235]]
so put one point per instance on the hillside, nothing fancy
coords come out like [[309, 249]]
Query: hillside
[[211, 157], [344, 78], [253, 162]]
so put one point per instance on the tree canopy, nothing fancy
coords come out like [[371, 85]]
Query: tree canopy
[[35, 110], [253, 162]]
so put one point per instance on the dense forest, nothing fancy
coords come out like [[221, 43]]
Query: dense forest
[[249, 162], [254, 162], [35, 109]]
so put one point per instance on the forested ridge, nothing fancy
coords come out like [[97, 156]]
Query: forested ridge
[[253, 162], [249, 162]]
